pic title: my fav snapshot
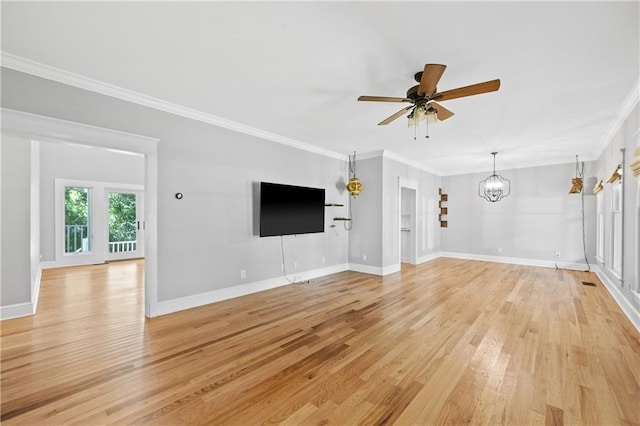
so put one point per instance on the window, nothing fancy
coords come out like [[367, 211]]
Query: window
[[599, 228], [77, 220], [616, 228]]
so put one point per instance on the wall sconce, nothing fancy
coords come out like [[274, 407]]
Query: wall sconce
[[635, 164], [616, 174], [599, 187]]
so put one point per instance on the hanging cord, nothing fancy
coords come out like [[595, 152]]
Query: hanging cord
[[284, 269], [580, 174], [352, 173], [348, 224]]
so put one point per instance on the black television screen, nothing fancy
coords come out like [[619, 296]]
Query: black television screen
[[287, 209]]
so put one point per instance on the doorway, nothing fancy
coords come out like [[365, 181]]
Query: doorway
[[38, 128], [408, 221]]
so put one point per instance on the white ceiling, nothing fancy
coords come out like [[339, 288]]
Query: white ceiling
[[295, 69]]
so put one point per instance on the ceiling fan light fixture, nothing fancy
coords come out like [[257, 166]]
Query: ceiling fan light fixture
[[420, 113]]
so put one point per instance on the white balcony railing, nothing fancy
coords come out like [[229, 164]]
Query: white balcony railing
[[77, 241], [76, 238], [122, 246]]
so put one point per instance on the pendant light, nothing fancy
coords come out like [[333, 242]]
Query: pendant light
[[576, 182], [354, 186], [494, 188]]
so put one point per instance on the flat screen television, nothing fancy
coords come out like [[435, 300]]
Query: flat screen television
[[288, 209]]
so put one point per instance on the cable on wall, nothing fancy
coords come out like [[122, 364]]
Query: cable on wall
[[347, 223], [584, 236], [284, 269]]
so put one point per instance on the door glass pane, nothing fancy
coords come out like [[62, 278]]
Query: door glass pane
[[77, 219], [122, 222]]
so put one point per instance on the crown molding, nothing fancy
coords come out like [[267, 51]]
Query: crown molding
[[625, 109], [38, 69], [45, 128], [400, 159], [385, 153]]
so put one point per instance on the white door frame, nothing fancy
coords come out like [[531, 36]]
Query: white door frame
[[413, 185], [35, 127]]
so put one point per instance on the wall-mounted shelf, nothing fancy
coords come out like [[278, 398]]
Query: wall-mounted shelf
[[342, 218], [443, 209], [334, 205]]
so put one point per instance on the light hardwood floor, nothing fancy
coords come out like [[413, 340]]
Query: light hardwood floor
[[449, 341]]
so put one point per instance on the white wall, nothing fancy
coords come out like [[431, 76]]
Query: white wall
[[65, 161], [538, 219]]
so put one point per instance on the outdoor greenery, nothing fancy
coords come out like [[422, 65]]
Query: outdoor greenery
[[122, 217], [76, 206], [76, 219], [77, 202]]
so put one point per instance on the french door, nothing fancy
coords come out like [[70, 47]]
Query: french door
[[98, 222], [125, 225]]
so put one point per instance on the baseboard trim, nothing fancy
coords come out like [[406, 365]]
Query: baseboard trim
[[629, 310], [35, 295], [429, 257], [25, 309], [16, 311], [196, 300], [515, 260], [374, 270]]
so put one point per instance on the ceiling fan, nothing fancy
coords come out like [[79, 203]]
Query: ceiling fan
[[423, 96]]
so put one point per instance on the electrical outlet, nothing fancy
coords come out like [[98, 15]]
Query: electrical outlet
[[323, 259], [499, 249], [295, 265], [282, 266], [243, 274], [364, 257]]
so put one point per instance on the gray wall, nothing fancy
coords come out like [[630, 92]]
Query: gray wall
[[205, 239], [365, 237], [538, 219], [626, 137], [15, 278], [64, 161]]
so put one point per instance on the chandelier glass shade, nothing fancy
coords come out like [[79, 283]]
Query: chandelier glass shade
[[494, 188], [422, 113]]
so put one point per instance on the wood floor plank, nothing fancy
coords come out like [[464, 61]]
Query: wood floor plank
[[446, 342]]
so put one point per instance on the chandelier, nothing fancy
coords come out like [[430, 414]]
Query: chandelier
[[354, 186], [494, 188]]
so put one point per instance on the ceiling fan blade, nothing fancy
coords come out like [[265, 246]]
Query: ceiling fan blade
[[430, 78], [474, 89], [382, 99], [442, 112], [394, 116]]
